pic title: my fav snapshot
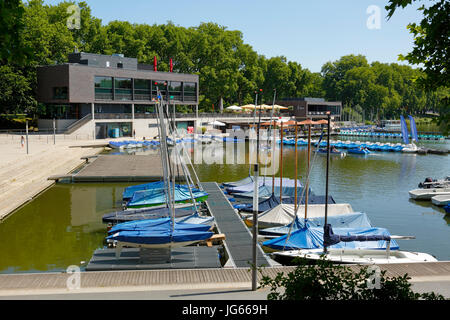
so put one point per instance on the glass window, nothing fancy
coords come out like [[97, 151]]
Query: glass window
[[174, 86], [122, 88], [161, 85], [103, 87], [175, 90], [141, 89], [60, 93], [190, 91]]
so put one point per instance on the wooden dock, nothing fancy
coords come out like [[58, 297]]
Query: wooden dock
[[238, 241], [190, 257], [119, 168]]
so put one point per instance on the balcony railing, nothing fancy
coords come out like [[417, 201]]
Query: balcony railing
[[103, 96], [112, 116]]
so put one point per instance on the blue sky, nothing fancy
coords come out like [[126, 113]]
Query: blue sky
[[308, 32]]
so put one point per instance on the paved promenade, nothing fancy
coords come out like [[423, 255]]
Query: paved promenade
[[23, 176], [164, 284]]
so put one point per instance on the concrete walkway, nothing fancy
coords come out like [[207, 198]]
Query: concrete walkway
[[23, 176], [227, 283]]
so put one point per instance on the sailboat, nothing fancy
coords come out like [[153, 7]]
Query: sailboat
[[383, 254], [410, 147], [164, 233], [149, 198], [360, 254], [157, 185]]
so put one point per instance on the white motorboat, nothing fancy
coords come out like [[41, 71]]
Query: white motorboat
[[433, 183], [427, 194], [356, 256], [441, 200], [410, 148]]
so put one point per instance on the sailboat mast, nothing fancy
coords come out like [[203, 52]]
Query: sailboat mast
[[273, 142], [255, 204], [165, 157], [281, 164], [307, 181], [295, 198], [326, 182]]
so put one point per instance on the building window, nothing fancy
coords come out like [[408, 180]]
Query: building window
[[60, 93], [162, 86], [175, 90], [189, 91], [122, 89], [142, 89], [146, 109], [103, 88]]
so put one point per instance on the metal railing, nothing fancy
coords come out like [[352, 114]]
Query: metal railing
[[78, 124], [41, 136]]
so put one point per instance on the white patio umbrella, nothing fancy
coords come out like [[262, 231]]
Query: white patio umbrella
[[217, 123], [234, 108]]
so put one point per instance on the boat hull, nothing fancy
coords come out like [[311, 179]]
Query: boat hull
[[441, 200], [356, 256], [427, 194]]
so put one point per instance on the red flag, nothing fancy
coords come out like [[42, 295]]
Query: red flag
[[171, 65], [154, 64]]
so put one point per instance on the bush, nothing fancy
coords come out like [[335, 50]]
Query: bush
[[327, 281]]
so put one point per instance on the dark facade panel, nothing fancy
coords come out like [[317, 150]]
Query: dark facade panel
[[312, 107], [80, 78], [50, 77]]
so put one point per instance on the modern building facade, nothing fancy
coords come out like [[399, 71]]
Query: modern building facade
[[110, 95], [313, 108]]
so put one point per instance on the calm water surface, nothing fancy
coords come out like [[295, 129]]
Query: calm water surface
[[63, 225]]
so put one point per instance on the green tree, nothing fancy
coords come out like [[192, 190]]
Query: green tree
[[326, 281]]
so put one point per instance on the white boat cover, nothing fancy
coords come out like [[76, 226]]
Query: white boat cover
[[284, 213]]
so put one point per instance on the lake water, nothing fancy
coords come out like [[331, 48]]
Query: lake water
[[63, 225]]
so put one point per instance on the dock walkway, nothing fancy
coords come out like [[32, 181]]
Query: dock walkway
[[120, 168], [238, 239]]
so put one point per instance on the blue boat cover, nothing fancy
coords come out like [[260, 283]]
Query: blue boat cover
[[154, 197], [156, 224], [158, 185], [160, 236], [266, 192], [267, 181], [147, 213], [349, 220], [312, 238], [273, 201], [241, 182]]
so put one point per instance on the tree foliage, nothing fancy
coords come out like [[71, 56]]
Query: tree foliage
[[229, 69], [326, 281]]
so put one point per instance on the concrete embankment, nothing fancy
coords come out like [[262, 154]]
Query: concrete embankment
[[24, 176]]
